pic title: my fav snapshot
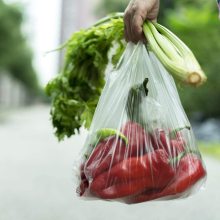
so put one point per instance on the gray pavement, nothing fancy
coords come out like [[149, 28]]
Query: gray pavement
[[36, 179]]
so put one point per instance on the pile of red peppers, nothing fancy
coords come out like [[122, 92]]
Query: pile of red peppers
[[135, 165]]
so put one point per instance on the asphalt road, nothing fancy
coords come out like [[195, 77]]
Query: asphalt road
[[36, 179]]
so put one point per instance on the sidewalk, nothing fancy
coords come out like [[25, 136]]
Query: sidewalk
[[36, 179]]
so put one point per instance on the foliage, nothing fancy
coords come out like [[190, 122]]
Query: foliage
[[15, 55], [76, 90]]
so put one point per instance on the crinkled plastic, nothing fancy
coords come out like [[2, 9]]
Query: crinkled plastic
[[140, 145]]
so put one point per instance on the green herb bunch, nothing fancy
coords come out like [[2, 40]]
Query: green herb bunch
[[76, 90]]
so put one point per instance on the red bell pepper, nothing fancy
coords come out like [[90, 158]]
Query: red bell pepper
[[138, 139], [190, 171], [99, 151], [84, 183], [107, 153], [99, 164], [173, 142], [134, 175], [159, 139], [123, 189], [115, 155], [97, 155], [176, 147]]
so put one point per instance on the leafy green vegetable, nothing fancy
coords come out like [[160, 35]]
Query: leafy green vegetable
[[76, 90]]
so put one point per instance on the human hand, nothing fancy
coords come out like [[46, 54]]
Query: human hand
[[136, 13]]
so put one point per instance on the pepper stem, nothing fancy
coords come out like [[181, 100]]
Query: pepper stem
[[106, 133], [175, 160], [173, 132]]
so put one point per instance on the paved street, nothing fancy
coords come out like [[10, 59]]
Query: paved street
[[36, 179]]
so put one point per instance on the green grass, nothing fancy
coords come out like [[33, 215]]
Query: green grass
[[211, 149]]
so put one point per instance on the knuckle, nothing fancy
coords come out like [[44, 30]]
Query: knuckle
[[137, 28], [137, 24], [127, 15], [135, 8]]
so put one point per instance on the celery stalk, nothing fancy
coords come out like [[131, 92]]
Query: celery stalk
[[176, 70], [168, 47], [194, 74]]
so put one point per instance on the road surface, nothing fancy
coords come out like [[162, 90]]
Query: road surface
[[36, 179]]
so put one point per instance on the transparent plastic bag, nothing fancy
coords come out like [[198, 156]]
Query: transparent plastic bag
[[140, 145]]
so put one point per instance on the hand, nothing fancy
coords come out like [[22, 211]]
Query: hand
[[135, 14]]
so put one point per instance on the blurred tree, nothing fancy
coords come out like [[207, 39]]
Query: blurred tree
[[109, 6], [197, 24], [186, 3], [15, 55]]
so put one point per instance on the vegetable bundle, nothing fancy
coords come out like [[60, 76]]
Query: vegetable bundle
[[140, 145], [76, 90]]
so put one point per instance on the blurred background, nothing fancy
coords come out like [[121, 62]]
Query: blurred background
[[36, 172]]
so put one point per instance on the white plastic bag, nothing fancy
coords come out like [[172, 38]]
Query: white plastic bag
[[140, 145]]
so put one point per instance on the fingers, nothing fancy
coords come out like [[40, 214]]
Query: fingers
[[127, 25], [133, 22], [137, 28], [133, 27], [135, 15]]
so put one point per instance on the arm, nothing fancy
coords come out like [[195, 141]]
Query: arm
[[136, 13]]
